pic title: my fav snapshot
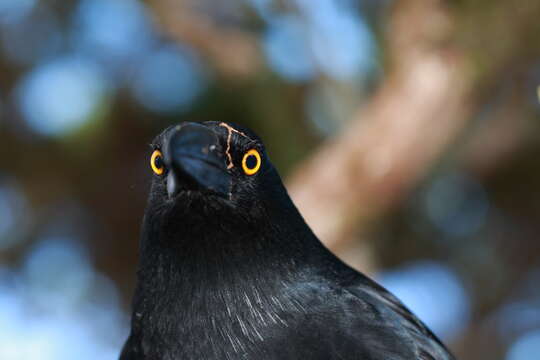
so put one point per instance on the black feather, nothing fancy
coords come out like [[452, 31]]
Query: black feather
[[241, 276]]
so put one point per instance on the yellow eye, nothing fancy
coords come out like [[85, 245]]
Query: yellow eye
[[251, 162], [156, 162]]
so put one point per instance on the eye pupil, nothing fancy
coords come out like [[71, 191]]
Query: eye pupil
[[158, 162], [251, 161]]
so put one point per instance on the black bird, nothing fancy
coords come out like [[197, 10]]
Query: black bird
[[230, 270]]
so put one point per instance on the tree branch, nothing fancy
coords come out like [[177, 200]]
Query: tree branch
[[391, 142]]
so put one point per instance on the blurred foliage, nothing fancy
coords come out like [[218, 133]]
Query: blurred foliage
[[85, 85]]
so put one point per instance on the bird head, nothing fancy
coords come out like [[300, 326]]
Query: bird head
[[211, 168]]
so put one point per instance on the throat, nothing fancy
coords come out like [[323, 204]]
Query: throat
[[219, 308], [231, 288], [215, 274]]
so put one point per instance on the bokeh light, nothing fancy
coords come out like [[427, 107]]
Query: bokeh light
[[59, 307], [285, 44], [60, 96], [523, 314], [50, 285], [13, 10], [300, 46], [113, 31], [433, 292], [456, 205], [518, 317], [334, 26], [526, 347], [168, 80]]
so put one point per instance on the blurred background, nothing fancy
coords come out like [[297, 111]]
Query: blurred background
[[407, 131]]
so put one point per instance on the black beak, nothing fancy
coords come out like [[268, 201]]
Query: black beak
[[194, 160]]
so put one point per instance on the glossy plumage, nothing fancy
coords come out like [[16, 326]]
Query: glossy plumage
[[234, 272]]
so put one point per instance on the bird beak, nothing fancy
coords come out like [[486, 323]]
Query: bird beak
[[193, 158]]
